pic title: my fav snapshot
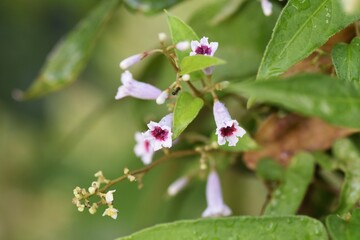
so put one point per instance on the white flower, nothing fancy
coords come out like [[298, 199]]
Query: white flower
[[162, 97], [143, 148], [266, 6], [109, 197], [185, 77], [162, 37], [136, 89], [128, 62], [183, 46], [203, 47], [111, 212], [159, 134], [227, 129], [177, 186], [216, 206]]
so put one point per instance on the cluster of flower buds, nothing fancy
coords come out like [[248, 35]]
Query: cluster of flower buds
[[81, 197]]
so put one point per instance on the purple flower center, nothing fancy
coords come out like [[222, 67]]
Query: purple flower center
[[228, 131], [160, 134], [203, 50], [147, 145]]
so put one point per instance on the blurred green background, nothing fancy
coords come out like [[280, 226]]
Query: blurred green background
[[49, 146]]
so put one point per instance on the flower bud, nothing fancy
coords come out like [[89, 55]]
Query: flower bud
[[162, 37], [177, 186], [183, 46], [128, 62], [185, 77], [162, 97]]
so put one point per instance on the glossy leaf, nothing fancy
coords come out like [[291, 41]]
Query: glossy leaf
[[249, 228], [150, 6], [286, 199], [313, 95], [303, 26], [349, 156], [346, 59], [180, 31], [344, 228], [194, 63], [246, 143], [186, 109], [242, 37], [70, 55]]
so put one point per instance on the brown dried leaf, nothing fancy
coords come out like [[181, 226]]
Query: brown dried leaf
[[281, 137]]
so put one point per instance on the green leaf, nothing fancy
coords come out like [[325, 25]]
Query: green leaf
[[227, 11], [180, 31], [150, 6], [346, 59], [349, 156], [303, 26], [286, 199], [246, 143], [186, 109], [246, 228], [69, 57], [194, 63], [344, 228], [270, 170], [242, 37], [311, 94]]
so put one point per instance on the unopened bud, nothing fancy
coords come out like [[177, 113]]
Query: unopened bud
[[131, 178], [128, 62], [162, 37], [185, 77], [92, 190], [162, 97], [81, 208], [177, 186], [183, 46], [126, 171]]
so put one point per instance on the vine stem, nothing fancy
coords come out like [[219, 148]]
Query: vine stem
[[147, 168]]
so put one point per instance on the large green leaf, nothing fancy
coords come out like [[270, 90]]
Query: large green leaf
[[180, 31], [244, 228], [194, 63], [270, 170], [349, 156], [242, 37], [346, 59], [286, 199], [186, 109], [303, 26], [150, 6], [322, 96], [344, 228], [70, 55]]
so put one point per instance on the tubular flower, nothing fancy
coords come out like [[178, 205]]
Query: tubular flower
[[216, 206], [143, 149], [136, 89], [266, 6], [227, 129], [159, 134], [111, 212], [204, 48], [177, 186]]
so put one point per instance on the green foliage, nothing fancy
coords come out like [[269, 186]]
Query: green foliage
[[333, 100], [180, 31], [346, 59], [303, 26], [344, 228], [186, 109], [150, 6], [242, 37], [70, 55], [286, 199], [194, 63], [249, 228], [349, 160], [270, 170]]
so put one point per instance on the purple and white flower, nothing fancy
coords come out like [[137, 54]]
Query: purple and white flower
[[216, 206], [143, 148], [203, 47], [266, 6], [227, 129], [160, 134], [136, 89]]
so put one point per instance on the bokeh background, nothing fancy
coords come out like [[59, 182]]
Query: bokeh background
[[50, 145]]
